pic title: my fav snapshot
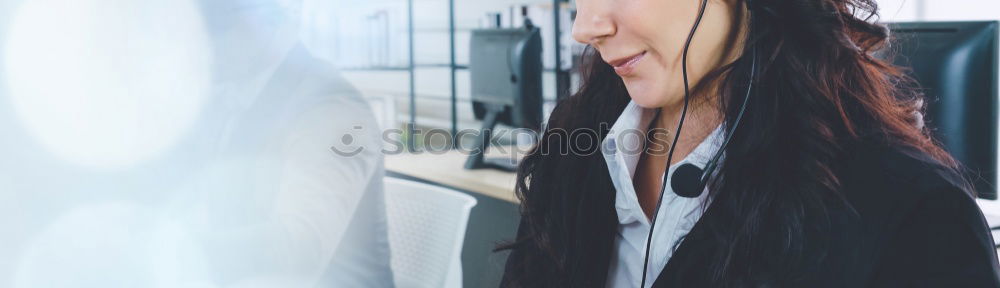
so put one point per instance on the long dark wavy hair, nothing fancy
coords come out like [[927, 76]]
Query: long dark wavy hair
[[819, 90]]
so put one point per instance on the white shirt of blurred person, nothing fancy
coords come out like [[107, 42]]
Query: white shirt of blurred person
[[285, 209], [252, 196]]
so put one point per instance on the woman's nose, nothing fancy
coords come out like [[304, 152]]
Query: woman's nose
[[593, 22]]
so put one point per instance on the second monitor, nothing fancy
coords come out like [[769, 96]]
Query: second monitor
[[505, 67]]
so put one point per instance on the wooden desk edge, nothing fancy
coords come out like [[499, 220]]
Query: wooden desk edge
[[447, 170]]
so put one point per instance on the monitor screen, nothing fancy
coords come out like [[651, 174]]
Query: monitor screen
[[494, 64], [955, 66], [505, 68]]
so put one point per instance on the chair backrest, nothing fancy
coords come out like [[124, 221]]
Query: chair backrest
[[426, 232]]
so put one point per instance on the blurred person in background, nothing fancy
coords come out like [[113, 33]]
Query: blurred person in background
[[257, 192]]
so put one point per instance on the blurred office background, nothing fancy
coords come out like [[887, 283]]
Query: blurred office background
[[374, 42], [156, 69]]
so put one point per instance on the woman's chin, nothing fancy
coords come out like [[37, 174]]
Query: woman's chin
[[646, 103], [645, 99], [651, 95]]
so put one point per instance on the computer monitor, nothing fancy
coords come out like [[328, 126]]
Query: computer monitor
[[505, 67], [955, 65]]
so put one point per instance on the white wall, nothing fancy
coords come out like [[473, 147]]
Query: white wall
[[899, 10], [939, 10]]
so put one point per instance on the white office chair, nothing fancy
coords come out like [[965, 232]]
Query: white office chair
[[426, 231]]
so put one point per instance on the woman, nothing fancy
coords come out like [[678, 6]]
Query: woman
[[825, 175]]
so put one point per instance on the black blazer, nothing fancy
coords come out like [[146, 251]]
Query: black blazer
[[916, 226], [908, 222]]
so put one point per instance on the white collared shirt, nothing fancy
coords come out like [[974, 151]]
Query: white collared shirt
[[622, 149]]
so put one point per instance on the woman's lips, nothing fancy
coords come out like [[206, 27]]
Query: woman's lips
[[625, 66]]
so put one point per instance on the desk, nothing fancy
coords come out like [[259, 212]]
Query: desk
[[492, 221], [447, 169]]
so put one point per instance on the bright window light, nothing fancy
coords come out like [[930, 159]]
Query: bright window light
[[107, 83]]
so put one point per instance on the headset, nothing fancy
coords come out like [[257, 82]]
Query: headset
[[688, 180]]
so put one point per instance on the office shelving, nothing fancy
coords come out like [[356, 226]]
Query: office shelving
[[561, 76]]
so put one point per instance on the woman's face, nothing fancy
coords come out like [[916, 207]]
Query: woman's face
[[643, 41]]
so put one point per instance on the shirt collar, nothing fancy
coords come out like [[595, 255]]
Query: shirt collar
[[623, 147]]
